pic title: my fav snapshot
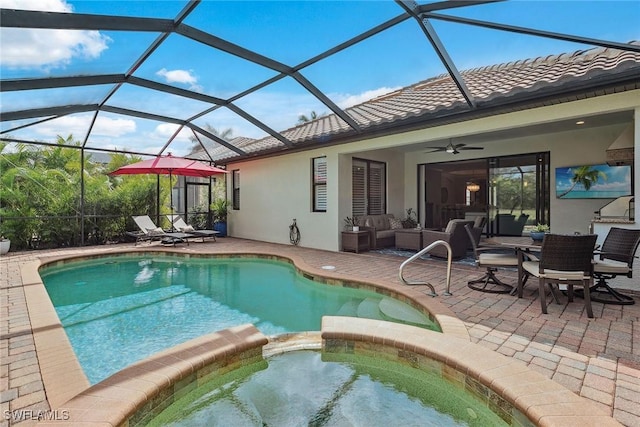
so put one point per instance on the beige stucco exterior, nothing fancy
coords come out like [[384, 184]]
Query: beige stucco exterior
[[275, 190]]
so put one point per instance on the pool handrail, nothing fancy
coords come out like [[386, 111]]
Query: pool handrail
[[418, 255]]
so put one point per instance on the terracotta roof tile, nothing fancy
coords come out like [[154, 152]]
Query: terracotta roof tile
[[486, 84]]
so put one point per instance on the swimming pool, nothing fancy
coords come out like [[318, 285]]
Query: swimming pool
[[316, 389], [120, 309]]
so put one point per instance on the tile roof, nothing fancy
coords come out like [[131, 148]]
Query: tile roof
[[491, 86]]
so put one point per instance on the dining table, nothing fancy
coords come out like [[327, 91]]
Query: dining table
[[525, 248]]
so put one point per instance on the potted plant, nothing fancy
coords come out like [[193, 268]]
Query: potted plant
[[537, 234], [351, 223], [220, 210], [5, 245], [411, 221]]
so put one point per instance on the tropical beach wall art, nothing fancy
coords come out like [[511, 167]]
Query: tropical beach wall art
[[593, 182]]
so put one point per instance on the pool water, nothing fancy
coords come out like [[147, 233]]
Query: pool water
[[118, 310], [313, 389]]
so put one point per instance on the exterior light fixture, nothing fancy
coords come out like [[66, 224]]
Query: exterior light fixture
[[450, 148], [472, 186], [580, 122]]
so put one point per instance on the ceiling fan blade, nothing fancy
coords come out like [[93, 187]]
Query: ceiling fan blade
[[464, 147], [436, 149]]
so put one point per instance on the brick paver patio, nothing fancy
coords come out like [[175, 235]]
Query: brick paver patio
[[598, 359]]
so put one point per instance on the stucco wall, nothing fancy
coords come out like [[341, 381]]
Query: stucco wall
[[275, 190]]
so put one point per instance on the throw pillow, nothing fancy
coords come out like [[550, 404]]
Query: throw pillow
[[187, 228], [395, 223]]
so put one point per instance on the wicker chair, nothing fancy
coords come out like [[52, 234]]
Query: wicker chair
[[564, 259], [454, 235], [491, 261], [615, 258]]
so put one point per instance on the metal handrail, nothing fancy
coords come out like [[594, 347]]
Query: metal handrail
[[418, 255]]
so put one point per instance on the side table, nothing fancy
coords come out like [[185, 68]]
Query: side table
[[409, 238], [355, 241]]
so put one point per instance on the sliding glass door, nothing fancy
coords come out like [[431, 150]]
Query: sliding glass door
[[512, 192], [518, 195]]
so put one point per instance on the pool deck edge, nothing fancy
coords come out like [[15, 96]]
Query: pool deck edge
[[543, 401], [62, 375]]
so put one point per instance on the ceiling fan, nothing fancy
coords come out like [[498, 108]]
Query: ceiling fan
[[454, 149]]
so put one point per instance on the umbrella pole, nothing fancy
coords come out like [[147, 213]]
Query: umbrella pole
[[171, 199], [170, 193]]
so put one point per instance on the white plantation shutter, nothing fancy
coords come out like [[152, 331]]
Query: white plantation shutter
[[320, 184], [368, 187], [359, 188]]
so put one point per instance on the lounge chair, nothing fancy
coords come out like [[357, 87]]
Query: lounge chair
[[180, 225], [149, 231]]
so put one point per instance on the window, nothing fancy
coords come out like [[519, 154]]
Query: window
[[319, 180], [369, 183], [236, 189]]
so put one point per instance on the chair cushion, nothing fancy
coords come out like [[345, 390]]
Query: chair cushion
[[533, 268], [611, 267], [506, 260]]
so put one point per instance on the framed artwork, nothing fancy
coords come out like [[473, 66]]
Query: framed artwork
[[593, 182]]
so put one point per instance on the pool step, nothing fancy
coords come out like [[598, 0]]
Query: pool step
[[402, 312], [349, 308], [369, 309]]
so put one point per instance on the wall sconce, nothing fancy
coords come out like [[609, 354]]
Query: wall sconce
[[472, 186]]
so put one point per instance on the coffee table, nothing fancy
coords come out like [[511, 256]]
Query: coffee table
[[409, 238]]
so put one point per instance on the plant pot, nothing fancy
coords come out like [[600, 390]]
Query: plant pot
[[221, 227], [4, 246], [356, 228], [537, 236]]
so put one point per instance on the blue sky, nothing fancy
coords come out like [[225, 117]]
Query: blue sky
[[287, 31]]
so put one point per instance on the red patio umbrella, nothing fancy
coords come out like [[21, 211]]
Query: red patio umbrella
[[169, 165]]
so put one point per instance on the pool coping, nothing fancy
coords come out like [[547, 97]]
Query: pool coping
[[141, 390], [543, 401], [491, 368], [62, 375]]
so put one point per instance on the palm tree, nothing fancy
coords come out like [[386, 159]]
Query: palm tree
[[225, 134], [585, 175], [302, 118]]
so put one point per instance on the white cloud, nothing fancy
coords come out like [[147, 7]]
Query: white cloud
[[180, 76], [79, 124], [348, 100], [166, 130], [42, 48]]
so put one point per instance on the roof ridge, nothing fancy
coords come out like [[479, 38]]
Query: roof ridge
[[551, 58]]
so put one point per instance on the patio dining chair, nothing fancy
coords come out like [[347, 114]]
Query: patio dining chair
[[492, 258], [615, 258], [564, 259]]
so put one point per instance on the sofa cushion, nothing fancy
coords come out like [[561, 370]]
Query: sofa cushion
[[380, 222], [385, 234]]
